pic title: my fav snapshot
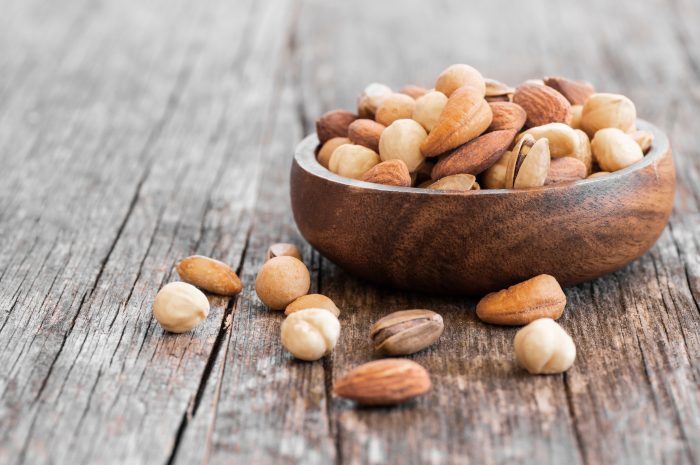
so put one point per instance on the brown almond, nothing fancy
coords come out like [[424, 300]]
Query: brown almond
[[384, 382], [283, 249], [522, 303], [390, 172], [366, 132], [413, 91], [507, 115], [455, 182], [422, 173], [565, 169], [334, 124], [465, 116], [542, 104], [475, 156], [209, 274], [576, 92]]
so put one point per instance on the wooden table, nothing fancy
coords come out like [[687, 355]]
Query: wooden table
[[134, 133]]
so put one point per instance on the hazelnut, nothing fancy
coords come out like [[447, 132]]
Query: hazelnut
[[312, 301], [370, 99], [576, 111], [428, 109], [607, 111], [543, 347], [460, 75], [283, 249], [643, 138], [180, 307], [401, 141], [393, 107], [615, 150], [311, 333], [324, 155], [281, 280], [352, 161]]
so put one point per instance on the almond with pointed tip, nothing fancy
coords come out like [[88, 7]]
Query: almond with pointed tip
[[466, 115], [384, 382], [565, 169], [576, 92], [542, 104], [522, 303], [209, 274], [389, 173], [475, 156], [507, 115], [366, 132], [334, 124]]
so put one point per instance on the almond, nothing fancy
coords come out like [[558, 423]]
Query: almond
[[542, 104], [475, 156], [390, 173], [334, 124], [522, 303], [384, 382], [507, 115], [209, 274], [465, 116], [565, 169], [366, 132], [413, 91], [576, 92]]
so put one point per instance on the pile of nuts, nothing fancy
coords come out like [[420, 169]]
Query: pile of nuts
[[311, 328], [469, 133]]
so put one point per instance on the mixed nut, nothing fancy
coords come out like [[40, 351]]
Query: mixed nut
[[543, 132]]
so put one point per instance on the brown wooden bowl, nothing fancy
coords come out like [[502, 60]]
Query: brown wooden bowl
[[479, 241]]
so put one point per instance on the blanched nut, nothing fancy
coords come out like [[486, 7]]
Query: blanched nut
[[180, 307], [643, 138], [401, 140], [428, 109], [543, 347], [352, 161], [311, 333], [495, 177], [281, 280], [576, 111], [454, 182], [327, 149], [456, 76], [312, 301], [583, 151], [615, 150], [371, 97], [394, 107], [607, 111], [563, 140]]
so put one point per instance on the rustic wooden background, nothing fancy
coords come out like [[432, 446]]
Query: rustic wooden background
[[136, 132]]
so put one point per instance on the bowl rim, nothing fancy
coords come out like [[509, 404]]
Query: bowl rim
[[305, 158]]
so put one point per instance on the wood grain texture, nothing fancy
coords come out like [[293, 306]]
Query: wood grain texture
[[135, 133]]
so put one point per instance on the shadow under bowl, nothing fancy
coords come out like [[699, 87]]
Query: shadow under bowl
[[476, 242]]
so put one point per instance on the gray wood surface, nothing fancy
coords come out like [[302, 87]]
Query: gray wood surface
[[134, 133]]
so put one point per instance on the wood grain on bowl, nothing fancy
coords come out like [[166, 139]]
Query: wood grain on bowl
[[479, 241]]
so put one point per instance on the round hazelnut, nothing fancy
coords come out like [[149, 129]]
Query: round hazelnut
[[607, 111], [324, 154], [615, 150], [352, 161], [312, 301], [311, 333], [283, 249], [401, 141], [370, 99], [180, 307], [459, 75], [428, 109], [543, 347], [393, 107], [281, 280]]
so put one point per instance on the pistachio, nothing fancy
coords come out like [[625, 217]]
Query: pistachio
[[455, 182], [497, 91], [406, 331], [529, 165]]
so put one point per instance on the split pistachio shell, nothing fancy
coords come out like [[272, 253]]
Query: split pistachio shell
[[406, 331]]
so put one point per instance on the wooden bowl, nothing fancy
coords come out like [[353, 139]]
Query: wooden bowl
[[479, 241]]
